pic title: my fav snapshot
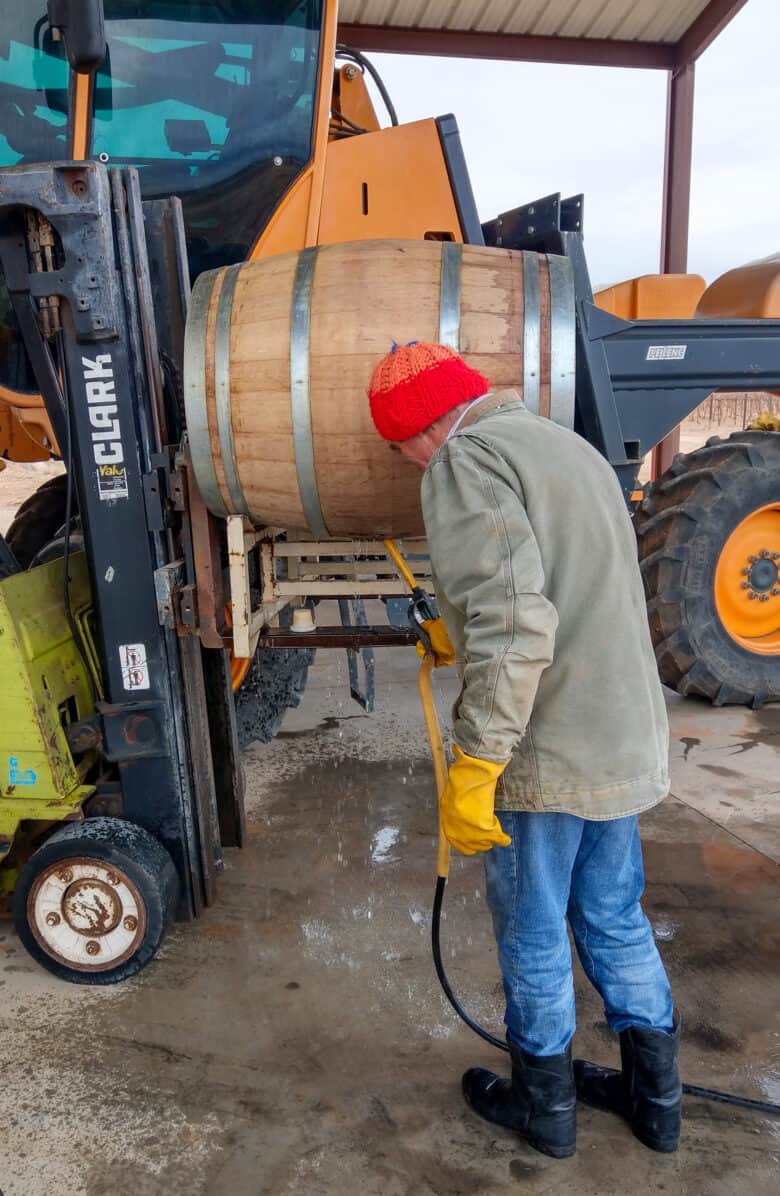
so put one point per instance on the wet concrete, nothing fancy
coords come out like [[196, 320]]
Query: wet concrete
[[295, 1041]]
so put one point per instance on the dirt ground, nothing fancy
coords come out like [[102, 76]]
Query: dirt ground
[[294, 1041]]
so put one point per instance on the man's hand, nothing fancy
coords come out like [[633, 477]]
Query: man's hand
[[466, 808], [442, 649]]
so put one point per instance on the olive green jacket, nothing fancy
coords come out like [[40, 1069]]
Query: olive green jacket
[[535, 569]]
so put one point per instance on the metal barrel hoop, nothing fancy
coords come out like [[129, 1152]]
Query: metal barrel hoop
[[227, 445], [562, 340], [532, 333], [195, 405], [300, 393], [450, 294]]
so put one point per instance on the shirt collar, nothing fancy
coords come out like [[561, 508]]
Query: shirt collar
[[465, 412]]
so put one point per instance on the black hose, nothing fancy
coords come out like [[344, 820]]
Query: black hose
[[441, 885], [339, 118], [726, 1098], [729, 1098], [343, 51]]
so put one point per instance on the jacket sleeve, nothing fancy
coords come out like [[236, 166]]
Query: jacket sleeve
[[487, 564]]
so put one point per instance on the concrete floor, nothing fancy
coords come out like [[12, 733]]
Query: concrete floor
[[295, 1041]]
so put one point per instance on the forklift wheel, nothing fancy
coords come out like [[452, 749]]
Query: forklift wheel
[[93, 902], [709, 550]]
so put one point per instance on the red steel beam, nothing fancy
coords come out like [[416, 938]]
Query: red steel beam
[[676, 208], [509, 47], [707, 26]]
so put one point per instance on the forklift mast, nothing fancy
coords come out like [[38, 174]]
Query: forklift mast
[[105, 271]]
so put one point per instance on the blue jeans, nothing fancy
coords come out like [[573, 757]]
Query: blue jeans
[[558, 867]]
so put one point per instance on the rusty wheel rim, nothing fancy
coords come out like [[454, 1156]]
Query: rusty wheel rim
[[86, 914]]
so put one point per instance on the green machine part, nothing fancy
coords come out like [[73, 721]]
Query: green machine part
[[45, 686]]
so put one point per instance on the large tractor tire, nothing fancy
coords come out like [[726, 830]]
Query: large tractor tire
[[273, 685], [709, 551], [38, 521], [267, 686]]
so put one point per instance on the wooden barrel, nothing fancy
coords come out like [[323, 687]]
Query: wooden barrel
[[279, 354]]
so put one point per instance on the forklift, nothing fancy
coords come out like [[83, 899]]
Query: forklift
[[138, 628], [119, 729], [121, 776]]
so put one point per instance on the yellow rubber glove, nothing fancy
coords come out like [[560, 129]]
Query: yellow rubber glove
[[443, 651], [466, 808]]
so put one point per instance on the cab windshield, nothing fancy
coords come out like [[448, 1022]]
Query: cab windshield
[[34, 78], [213, 102]]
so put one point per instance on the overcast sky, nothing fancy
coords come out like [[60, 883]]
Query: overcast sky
[[529, 130]]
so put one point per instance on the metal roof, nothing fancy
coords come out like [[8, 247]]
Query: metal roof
[[642, 20], [663, 33]]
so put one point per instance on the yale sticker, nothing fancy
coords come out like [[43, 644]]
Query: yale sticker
[[666, 352], [135, 670], [106, 434]]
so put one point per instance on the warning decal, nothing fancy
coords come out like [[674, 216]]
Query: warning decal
[[135, 671]]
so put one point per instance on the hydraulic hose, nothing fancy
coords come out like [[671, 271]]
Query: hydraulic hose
[[443, 867]]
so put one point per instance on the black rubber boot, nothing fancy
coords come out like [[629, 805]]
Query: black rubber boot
[[647, 1091], [540, 1100]]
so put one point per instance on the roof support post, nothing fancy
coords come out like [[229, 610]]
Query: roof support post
[[677, 170], [676, 206]]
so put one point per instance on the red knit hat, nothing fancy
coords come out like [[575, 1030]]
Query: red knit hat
[[415, 384]]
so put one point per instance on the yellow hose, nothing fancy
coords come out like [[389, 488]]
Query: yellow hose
[[430, 713], [395, 556], [437, 753]]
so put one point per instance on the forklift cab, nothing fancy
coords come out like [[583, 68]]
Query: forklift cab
[[213, 103]]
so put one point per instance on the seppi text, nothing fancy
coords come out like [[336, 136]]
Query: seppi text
[[107, 449]]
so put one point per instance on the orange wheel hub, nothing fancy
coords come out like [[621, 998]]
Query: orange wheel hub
[[747, 582], [239, 666]]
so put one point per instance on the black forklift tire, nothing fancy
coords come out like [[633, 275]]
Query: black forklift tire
[[683, 525], [38, 520], [92, 904]]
